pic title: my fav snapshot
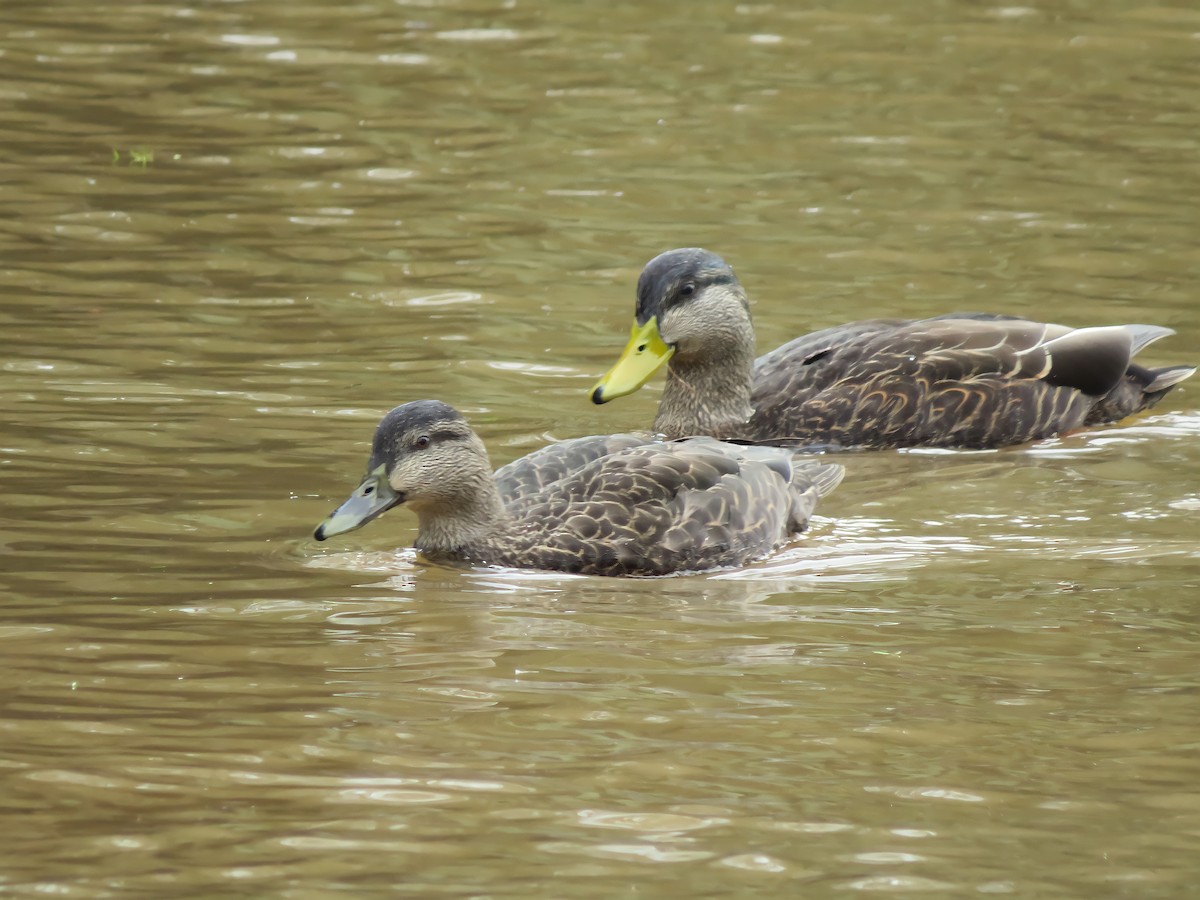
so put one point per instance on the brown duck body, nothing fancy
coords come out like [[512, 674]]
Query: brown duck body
[[611, 505], [963, 380], [954, 381], [647, 507]]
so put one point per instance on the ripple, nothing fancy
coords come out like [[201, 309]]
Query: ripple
[[923, 793], [389, 796], [646, 822], [250, 40], [754, 862], [479, 34], [904, 883], [1162, 427], [443, 298], [643, 852]]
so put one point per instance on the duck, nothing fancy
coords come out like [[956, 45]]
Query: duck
[[618, 505], [963, 380]]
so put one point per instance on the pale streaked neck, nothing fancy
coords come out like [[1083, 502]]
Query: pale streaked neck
[[457, 526], [710, 395]]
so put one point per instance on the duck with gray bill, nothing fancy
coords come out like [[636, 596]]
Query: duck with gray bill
[[974, 380], [623, 504]]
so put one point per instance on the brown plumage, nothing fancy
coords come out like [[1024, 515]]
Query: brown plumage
[[962, 380], [613, 505]]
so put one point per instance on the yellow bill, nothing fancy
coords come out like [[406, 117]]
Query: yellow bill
[[642, 357]]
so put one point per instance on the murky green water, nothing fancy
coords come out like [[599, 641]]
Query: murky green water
[[977, 675]]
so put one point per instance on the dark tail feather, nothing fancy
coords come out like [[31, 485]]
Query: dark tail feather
[[1166, 378], [1140, 389]]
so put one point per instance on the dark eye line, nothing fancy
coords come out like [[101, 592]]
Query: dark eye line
[[435, 437]]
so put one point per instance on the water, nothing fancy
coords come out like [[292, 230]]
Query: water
[[976, 674]]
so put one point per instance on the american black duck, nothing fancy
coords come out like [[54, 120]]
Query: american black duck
[[962, 380], [614, 505]]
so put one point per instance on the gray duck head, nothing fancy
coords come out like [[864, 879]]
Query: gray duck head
[[423, 453], [688, 302]]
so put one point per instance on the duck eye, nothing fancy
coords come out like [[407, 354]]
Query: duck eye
[[422, 442], [687, 290]]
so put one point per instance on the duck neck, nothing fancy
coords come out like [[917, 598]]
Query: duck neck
[[463, 524], [709, 392]]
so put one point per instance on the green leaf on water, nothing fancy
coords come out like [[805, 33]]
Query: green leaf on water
[[137, 156]]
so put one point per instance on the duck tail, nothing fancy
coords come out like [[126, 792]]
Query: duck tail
[[825, 477], [1140, 389], [1166, 378]]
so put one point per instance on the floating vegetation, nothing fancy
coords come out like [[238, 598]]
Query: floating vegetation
[[137, 157]]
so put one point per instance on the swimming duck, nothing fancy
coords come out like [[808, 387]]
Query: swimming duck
[[964, 380], [621, 504]]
